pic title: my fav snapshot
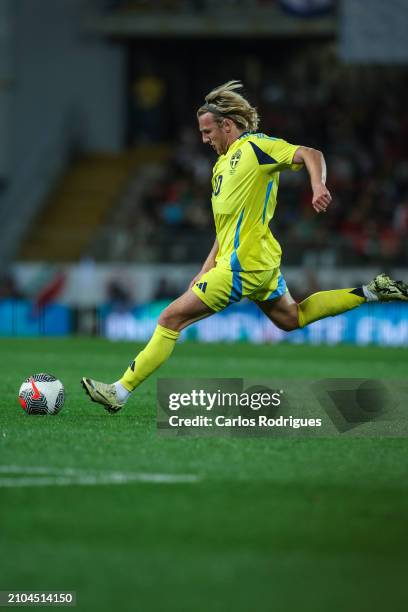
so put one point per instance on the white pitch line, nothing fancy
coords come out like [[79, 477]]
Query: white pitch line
[[22, 469], [32, 476]]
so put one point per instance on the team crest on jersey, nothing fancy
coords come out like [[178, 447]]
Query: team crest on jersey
[[234, 161]]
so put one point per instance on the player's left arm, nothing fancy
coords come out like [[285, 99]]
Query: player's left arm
[[316, 167]]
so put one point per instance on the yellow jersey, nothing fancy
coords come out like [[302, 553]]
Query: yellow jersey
[[245, 185]]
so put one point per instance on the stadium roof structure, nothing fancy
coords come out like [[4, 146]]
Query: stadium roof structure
[[224, 21]]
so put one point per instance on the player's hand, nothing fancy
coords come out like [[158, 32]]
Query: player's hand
[[321, 198]]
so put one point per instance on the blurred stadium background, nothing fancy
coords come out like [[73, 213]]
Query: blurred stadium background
[[105, 217], [105, 185]]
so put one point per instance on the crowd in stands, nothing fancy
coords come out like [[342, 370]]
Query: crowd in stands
[[355, 115]]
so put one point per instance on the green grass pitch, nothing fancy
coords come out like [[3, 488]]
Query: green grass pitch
[[315, 525]]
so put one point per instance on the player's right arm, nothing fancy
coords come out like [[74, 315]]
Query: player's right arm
[[281, 154], [207, 265], [316, 167]]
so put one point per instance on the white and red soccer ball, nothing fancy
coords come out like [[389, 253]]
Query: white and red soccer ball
[[41, 394]]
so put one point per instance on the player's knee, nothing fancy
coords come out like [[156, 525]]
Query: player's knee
[[167, 319]]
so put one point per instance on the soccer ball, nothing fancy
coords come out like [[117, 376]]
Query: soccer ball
[[41, 394]]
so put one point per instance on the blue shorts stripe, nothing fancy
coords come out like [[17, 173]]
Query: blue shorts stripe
[[236, 289], [280, 289]]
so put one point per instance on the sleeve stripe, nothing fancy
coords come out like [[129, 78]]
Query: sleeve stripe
[[262, 157]]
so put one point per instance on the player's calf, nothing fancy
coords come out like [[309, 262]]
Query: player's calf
[[288, 322]]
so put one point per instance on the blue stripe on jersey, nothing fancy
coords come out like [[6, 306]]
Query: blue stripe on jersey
[[268, 193], [280, 289], [236, 289], [238, 229], [234, 261]]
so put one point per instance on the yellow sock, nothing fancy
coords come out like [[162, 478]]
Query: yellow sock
[[328, 304], [157, 351]]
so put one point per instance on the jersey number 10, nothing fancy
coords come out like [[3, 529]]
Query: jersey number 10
[[217, 185]]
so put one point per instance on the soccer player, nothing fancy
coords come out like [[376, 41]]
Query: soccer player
[[245, 258]]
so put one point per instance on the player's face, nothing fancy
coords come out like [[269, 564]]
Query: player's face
[[213, 133]]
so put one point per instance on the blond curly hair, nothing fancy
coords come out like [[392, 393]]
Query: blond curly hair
[[225, 102]]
